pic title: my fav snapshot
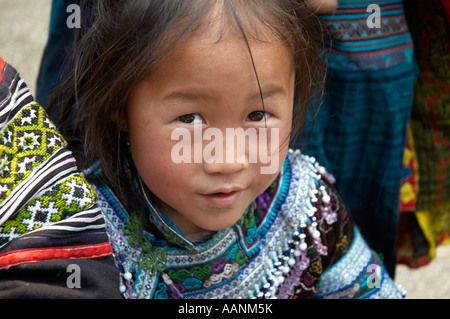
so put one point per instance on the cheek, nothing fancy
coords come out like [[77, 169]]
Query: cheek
[[285, 136], [161, 175], [153, 161], [163, 179]]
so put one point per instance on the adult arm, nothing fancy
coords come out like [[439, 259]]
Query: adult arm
[[49, 218]]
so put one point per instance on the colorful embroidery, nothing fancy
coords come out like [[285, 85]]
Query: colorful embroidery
[[59, 202], [358, 274], [357, 46], [47, 209], [25, 143], [153, 259]]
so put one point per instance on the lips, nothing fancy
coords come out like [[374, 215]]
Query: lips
[[223, 198]]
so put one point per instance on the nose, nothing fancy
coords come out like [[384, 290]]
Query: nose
[[230, 151], [226, 165], [224, 168]]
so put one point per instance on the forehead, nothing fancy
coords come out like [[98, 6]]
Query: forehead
[[227, 67], [219, 46]]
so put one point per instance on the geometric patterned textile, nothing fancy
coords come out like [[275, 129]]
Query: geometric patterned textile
[[358, 44], [39, 181], [25, 143], [49, 218], [55, 204]]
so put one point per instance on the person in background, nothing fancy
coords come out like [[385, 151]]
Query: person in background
[[359, 132], [425, 200]]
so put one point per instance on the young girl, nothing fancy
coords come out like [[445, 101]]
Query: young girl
[[160, 85]]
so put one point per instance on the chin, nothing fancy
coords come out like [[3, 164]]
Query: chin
[[215, 226]]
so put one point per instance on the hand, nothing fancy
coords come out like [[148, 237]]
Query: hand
[[323, 6]]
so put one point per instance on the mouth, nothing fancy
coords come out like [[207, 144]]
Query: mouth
[[223, 198]]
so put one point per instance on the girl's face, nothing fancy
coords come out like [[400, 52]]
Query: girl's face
[[182, 110]]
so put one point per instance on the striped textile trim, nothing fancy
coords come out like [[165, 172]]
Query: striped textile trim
[[83, 228], [352, 34], [32, 255], [61, 165], [87, 220], [351, 276], [13, 100]]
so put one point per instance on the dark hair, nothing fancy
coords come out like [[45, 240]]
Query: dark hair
[[127, 37]]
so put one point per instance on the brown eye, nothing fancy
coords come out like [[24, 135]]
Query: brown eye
[[190, 118], [257, 116]]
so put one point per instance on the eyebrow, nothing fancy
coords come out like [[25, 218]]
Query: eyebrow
[[268, 91], [190, 95]]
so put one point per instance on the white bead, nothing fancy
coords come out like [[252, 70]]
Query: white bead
[[275, 282], [316, 234], [303, 246], [127, 275], [122, 288], [325, 199]]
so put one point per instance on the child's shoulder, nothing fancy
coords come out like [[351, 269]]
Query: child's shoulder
[[301, 161], [337, 252], [312, 185], [318, 207]]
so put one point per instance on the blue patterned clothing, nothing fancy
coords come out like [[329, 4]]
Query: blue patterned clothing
[[357, 43], [296, 240]]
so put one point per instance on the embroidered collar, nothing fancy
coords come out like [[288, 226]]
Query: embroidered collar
[[253, 223], [165, 226]]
